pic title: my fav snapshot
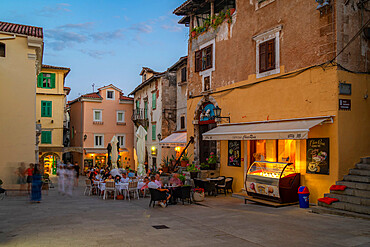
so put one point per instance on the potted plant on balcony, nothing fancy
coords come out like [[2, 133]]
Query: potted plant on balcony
[[212, 161], [193, 169], [198, 194], [193, 32]]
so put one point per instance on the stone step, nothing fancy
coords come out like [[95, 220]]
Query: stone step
[[365, 160], [363, 166], [347, 207], [354, 185], [359, 172], [350, 199], [354, 178], [352, 192], [325, 210]]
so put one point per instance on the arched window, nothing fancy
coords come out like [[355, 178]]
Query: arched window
[[2, 50]]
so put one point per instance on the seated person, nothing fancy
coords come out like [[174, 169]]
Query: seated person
[[145, 185], [109, 178], [106, 174], [117, 179], [158, 180], [131, 174], [124, 178], [175, 181], [152, 185]]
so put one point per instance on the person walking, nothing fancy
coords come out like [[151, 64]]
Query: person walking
[[61, 179], [36, 185], [21, 173], [69, 179], [77, 170], [29, 173]]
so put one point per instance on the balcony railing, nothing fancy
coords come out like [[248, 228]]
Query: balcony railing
[[140, 114]]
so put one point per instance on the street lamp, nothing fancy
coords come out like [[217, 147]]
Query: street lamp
[[217, 111]]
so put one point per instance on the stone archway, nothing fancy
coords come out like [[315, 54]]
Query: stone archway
[[42, 158], [198, 110]]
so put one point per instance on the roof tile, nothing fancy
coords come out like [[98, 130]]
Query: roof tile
[[21, 29]]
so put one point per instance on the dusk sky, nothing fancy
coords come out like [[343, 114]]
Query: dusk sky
[[103, 42]]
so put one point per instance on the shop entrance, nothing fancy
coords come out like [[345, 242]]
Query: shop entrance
[[206, 147], [49, 161]]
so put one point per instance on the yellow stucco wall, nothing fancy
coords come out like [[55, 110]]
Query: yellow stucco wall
[[17, 100], [312, 93]]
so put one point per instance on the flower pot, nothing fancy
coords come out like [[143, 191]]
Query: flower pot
[[193, 33], [198, 197], [184, 163], [193, 175], [232, 11], [165, 169]]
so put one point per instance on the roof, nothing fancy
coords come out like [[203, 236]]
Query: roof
[[21, 29], [121, 97], [180, 62], [148, 70], [146, 82], [44, 66], [94, 95], [110, 86]]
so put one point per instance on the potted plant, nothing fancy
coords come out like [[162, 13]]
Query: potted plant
[[232, 11], [193, 32], [212, 161], [198, 194], [204, 166], [193, 169], [182, 178], [165, 164], [184, 160]]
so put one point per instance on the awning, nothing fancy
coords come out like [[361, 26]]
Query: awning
[[175, 139], [267, 130]]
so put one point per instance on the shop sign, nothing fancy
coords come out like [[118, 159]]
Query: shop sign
[[345, 88], [263, 189], [234, 151], [345, 104], [317, 156]]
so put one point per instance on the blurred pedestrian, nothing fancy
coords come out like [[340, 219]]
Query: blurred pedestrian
[[36, 185], [60, 173], [69, 179], [29, 173], [77, 171], [21, 180]]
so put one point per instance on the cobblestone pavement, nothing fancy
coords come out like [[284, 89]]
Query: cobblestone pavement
[[220, 221]]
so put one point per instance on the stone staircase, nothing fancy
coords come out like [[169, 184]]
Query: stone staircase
[[355, 199]]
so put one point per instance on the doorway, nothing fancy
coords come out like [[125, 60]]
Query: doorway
[[206, 147]]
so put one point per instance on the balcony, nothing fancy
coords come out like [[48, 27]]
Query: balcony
[[140, 117]]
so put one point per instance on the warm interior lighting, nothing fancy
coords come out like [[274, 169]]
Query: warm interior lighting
[[177, 149]]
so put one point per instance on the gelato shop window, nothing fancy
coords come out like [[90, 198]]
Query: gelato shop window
[[273, 150]]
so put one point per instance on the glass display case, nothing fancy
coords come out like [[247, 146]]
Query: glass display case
[[273, 181]]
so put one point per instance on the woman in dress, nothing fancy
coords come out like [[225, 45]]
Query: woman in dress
[[36, 185]]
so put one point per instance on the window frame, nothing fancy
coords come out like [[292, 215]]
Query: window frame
[[113, 95], [47, 109], [260, 39], [204, 58], [154, 100], [183, 74], [124, 137], [101, 115], [48, 137], [2, 45], [102, 141], [154, 132], [41, 77], [182, 118], [123, 116]]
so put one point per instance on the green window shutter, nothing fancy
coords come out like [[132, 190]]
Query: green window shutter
[[46, 108], [43, 108], [52, 80], [137, 104], [39, 80], [146, 136], [46, 137], [153, 132], [49, 108], [154, 100]]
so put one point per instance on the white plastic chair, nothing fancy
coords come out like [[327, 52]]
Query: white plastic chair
[[88, 187], [132, 187], [110, 186]]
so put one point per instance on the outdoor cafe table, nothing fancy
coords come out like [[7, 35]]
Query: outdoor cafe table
[[120, 186], [171, 189], [209, 185]]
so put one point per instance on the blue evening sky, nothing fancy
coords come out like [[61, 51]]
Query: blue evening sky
[[106, 41]]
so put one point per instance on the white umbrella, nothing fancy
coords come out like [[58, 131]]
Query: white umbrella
[[140, 134], [114, 153]]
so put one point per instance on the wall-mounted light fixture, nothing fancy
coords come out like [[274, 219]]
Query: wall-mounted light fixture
[[217, 111], [323, 7], [159, 136], [85, 137]]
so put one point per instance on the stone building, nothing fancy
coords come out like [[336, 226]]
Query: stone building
[[155, 110], [273, 62]]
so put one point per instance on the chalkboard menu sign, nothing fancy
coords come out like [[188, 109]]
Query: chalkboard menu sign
[[234, 152], [317, 156]]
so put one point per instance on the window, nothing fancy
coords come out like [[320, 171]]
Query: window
[[203, 59], [46, 108], [182, 122], [110, 94], [73, 132], [122, 140], [120, 116], [153, 132], [46, 80], [144, 77], [183, 74], [98, 140], [154, 100], [267, 52], [46, 137], [145, 109], [267, 56], [2, 50], [137, 104], [207, 84], [98, 115]]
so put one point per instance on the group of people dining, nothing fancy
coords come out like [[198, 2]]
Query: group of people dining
[[123, 176]]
